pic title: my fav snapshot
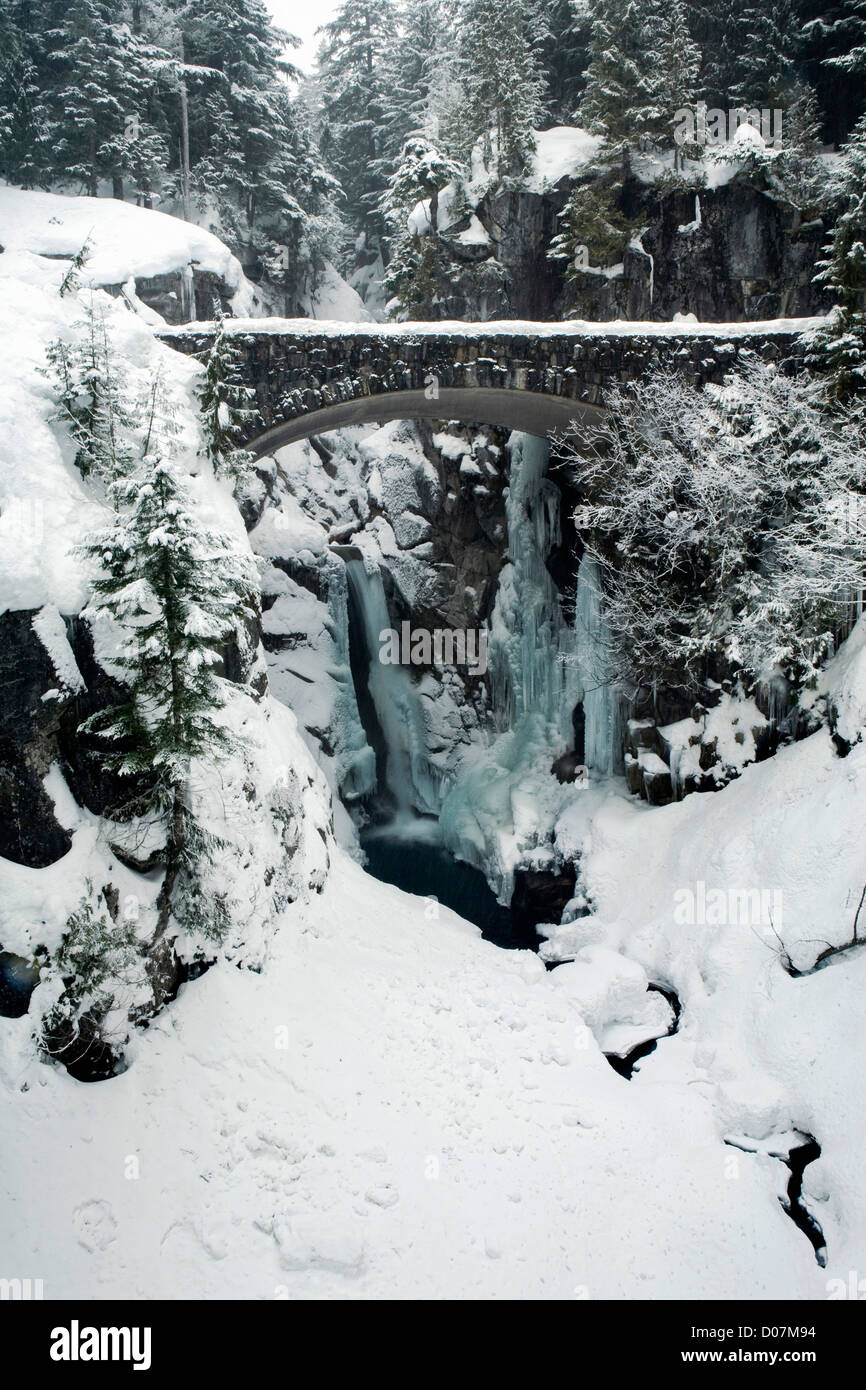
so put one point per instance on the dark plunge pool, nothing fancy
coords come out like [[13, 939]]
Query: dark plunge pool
[[419, 864]]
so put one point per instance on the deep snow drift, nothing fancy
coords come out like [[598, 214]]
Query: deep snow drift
[[396, 1108]]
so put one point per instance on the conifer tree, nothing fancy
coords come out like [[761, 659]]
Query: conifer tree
[[224, 403], [96, 91], [562, 49], [674, 61], [502, 86], [177, 590], [423, 171], [420, 45], [841, 346], [766, 38], [618, 91], [93, 398], [352, 72], [24, 154], [415, 258]]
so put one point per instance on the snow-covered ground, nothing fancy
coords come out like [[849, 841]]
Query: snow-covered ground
[[126, 242], [396, 1108]]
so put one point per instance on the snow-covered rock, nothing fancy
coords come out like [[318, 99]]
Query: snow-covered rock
[[127, 243]]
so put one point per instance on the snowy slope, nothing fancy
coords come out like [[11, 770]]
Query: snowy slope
[[394, 1108], [769, 1052], [127, 242], [46, 511], [564, 151]]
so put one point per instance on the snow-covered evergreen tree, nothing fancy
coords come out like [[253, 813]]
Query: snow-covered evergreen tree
[[617, 93], [562, 49], [415, 262], [593, 232], [96, 92], [420, 45], [674, 65], [841, 346], [423, 171], [765, 46], [224, 403], [93, 400], [727, 524], [177, 590], [502, 86], [713, 27], [353, 65], [98, 976], [643, 68], [24, 153]]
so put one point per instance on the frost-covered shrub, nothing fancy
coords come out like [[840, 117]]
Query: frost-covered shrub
[[728, 523], [92, 982]]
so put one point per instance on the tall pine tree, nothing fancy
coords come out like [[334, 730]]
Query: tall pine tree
[[502, 86], [177, 590], [355, 139], [841, 346]]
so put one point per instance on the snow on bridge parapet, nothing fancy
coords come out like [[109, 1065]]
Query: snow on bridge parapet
[[311, 376]]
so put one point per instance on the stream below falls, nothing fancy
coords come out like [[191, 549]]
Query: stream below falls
[[412, 858]]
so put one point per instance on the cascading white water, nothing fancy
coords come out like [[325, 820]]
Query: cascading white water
[[602, 708], [358, 760], [408, 775]]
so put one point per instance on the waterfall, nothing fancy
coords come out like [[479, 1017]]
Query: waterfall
[[357, 762], [401, 735], [602, 707], [539, 664], [530, 641]]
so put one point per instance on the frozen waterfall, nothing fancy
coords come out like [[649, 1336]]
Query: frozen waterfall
[[532, 670], [541, 664], [408, 776], [602, 707]]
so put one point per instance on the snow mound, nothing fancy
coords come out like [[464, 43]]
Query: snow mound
[[126, 242], [562, 152], [334, 298], [747, 134], [843, 682]]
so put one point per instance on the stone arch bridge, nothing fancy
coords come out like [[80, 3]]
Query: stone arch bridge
[[312, 376]]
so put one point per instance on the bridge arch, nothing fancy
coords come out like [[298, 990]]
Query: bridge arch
[[308, 377], [511, 410]]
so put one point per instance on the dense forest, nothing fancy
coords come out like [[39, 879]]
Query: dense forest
[[196, 108]]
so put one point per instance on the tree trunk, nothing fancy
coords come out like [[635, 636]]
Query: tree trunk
[[184, 140]]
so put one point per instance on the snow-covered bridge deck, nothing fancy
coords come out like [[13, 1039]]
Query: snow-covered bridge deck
[[310, 376]]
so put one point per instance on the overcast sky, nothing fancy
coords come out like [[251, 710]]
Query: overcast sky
[[302, 17]]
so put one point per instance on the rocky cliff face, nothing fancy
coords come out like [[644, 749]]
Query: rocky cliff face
[[728, 253]]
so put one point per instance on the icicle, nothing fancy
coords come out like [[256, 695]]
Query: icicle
[[530, 640], [601, 706]]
